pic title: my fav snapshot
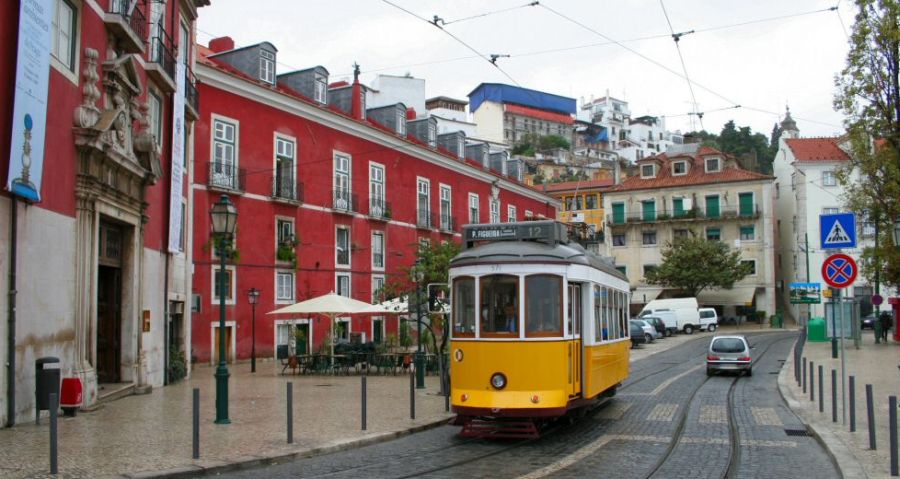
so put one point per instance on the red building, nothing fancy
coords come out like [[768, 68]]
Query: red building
[[330, 196]]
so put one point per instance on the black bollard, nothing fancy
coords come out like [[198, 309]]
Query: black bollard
[[892, 407], [812, 381], [195, 437], [54, 406], [870, 412], [804, 375], [290, 412], [821, 389], [833, 396], [852, 394], [362, 385], [412, 395]]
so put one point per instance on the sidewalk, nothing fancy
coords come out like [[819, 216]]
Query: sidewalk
[[874, 364], [152, 433]]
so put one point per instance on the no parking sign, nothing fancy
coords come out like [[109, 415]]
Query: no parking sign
[[839, 270]]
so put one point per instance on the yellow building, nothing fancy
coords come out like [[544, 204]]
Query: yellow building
[[582, 203]]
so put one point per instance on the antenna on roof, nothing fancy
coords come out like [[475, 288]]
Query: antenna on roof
[[355, 72]]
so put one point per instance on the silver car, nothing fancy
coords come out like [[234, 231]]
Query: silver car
[[729, 353], [649, 330]]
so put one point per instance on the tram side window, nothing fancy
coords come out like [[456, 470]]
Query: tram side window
[[464, 307], [499, 303], [601, 333], [623, 312], [543, 308], [611, 316]]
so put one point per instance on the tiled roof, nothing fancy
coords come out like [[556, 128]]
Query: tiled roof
[[817, 149], [540, 114], [579, 185], [696, 174]]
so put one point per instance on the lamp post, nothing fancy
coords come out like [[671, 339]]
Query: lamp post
[[224, 219], [253, 297], [418, 277], [897, 232]]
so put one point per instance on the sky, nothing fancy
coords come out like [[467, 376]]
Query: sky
[[763, 55]]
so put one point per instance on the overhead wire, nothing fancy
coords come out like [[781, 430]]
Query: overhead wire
[[677, 37], [530, 4]]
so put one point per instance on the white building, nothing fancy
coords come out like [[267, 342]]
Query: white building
[[631, 138], [387, 90]]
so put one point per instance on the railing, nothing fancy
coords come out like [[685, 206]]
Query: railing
[[161, 51], [285, 187], [685, 214], [344, 200], [379, 209], [378, 260], [448, 223], [135, 19], [191, 95], [225, 175], [424, 218]]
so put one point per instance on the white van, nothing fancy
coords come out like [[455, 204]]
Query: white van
[[668, 318], [709, 319], [685, 309]]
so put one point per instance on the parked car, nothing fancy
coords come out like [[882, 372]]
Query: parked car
[[649, 331], [868, 321], [637, 334], [729, 353], [709, 319], [685, 309], [657, 324], [669, 319]]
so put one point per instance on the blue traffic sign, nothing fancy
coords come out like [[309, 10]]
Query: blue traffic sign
[[837, 230]]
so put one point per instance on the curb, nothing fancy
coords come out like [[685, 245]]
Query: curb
[[844, 461], [209, 467]]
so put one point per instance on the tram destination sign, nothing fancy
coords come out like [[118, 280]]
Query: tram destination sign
[[528, 230]]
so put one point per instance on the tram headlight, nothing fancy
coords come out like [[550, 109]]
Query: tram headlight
[[498, 380]]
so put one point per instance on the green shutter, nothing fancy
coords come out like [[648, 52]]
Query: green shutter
[[678, 207], [713, 234], [618, 213], [712, 206], [746, 204], [747, 231], [649, 210]]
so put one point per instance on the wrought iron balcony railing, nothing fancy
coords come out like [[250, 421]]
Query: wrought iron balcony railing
[[129, 27], [161, 51], [424, 219], [286, 187], [343, 200], [648, 216], [379, 209], [448, 223], [225, 176]]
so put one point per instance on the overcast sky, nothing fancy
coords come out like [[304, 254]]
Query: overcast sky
[[762, 65]]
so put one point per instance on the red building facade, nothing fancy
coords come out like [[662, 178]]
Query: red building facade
[[329, 198]]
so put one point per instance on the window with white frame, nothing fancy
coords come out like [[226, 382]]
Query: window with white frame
[[423, 200], [495, 210], [474, 214], [432, 135], [284, 286], [285, 230], [342, 329], [267, 66], [648, 171], [342, 284], [401, 123], [445, 208], [64, 33], [713, 165], [750, 264], [828, 178], [341, 181], [679, 168], [511, 213], [321, 89], [378, 329], [224, 153], [156, 114], [377, 287], [377, 250], [461, 148], [285, 186], [342, 246], [377, 206], [229, 280]]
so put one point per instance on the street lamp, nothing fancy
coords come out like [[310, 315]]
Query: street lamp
[[897, 232], [253, 298], [418, 277], [224, 219]]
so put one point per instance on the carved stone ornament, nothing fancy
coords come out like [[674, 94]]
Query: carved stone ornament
[[87, 114]]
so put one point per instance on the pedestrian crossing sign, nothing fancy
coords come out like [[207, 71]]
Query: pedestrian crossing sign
[[837, 230]]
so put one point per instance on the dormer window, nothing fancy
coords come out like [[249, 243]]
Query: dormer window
[[401, 123], [461, 148], [321, 89], [267, 66], [432, 135], [679, 168], [648, 171], [713, 165]]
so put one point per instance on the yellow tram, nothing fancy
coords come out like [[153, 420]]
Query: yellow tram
[[539, 328]]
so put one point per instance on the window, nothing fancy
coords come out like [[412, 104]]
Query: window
[[377, 206], [649, 268], [712, 165], [321, 89], [868, 226], [423, 201], [543, 305], [510, 213], [377, 250], [218, 279], [267, 66], [680, 233], [401, 123], [679, 168], [432, 135], [474, 216], [377, 330], [495, 210], [618, 239], [648, 210], [750, 264], [224, 154], [342, 329], [285, 186], [463, 307], [156, 115], [570, 203], [713, 234], [648, 238], [499, 304], [377, 287], [828, 178], [285, 231], [830, 211], [342, 245], [445, 208], [64, 33], [648, 171], [748, 233], [342, 284], [590, 202], [284, 286], [745, 204], [618, 215], [712, 206], [342, 181]]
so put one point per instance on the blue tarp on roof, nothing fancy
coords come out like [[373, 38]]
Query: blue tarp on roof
[[500, 93], [599, 137]]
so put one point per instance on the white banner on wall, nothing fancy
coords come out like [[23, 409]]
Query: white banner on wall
[[26, 153], [177, 165]]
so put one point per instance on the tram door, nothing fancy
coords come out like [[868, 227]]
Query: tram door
[[575, 347]]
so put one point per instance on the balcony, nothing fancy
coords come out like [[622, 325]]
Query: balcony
[[693, 214], [448, 223], [191, 95], [344, 201], [424, 219], [129, 28], [225, 177], [161, 61], [287, 189], [379, 209]]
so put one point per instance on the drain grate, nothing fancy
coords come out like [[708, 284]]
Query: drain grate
[[797, 432], [773, 372]]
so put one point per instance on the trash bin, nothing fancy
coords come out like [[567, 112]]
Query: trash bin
[[71, 397], [46, 382], [815, 330]]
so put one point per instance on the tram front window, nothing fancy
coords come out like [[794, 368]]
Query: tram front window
[[543, 307], [464, 307], [499, 304]]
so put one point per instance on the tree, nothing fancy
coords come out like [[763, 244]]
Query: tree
[[869, 97], [693, 264], [533, 142], [739, 141]]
